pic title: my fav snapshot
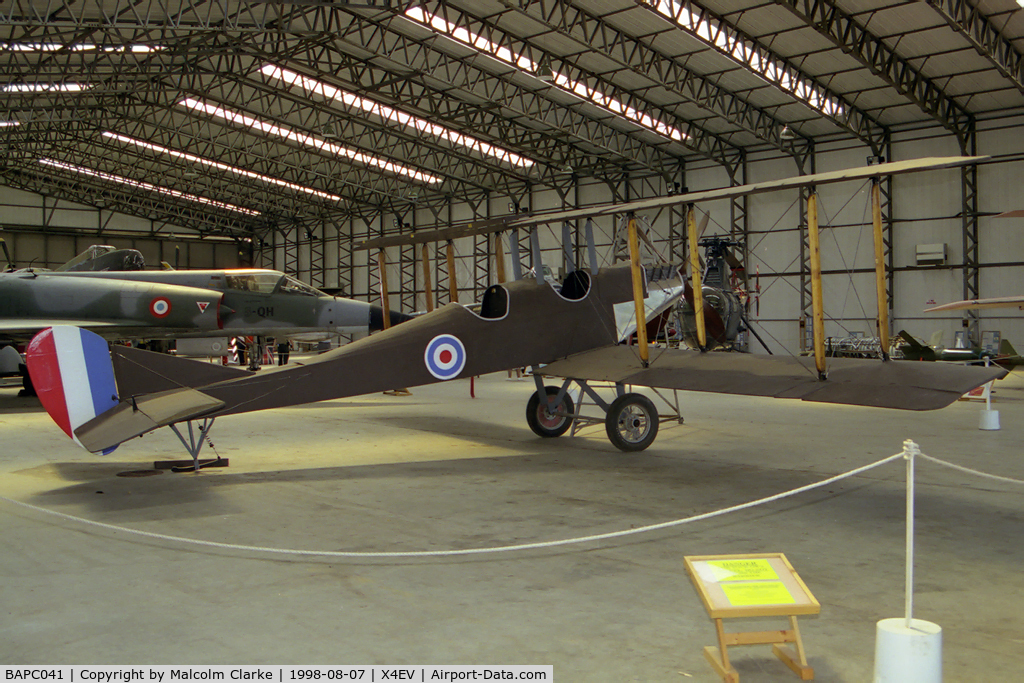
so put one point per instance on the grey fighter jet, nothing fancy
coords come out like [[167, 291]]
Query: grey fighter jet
[[178, 304]]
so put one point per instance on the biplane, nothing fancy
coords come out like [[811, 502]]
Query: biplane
[[102, 397]]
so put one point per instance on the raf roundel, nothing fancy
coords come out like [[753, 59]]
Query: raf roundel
[[160, 307], [445, 356]]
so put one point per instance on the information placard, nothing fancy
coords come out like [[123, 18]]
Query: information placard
[[757, 585]]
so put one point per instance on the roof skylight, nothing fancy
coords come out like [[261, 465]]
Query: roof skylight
[[319, 144], [140, 185], [524, 63], [393, 115], [210, 163], [748, 53]]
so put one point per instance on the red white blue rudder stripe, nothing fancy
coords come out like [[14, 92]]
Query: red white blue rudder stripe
[[73, 375], [445, 356]]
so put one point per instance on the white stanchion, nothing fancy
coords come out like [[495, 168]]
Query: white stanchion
[[989, 420], [908, 655], [908, 650]]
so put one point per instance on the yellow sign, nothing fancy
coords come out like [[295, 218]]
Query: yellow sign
[[758, 593], [744, 570]]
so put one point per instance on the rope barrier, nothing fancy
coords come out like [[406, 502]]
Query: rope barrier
[[497, 549], [464, 551], [968, 470]]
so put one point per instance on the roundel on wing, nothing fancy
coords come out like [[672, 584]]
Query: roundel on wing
[[445, 356], [160, 307]]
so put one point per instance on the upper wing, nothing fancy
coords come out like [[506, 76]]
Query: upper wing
[[997, 302], [892, 384]]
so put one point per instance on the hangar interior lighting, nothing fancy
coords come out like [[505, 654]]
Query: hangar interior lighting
[[46, 87], [748, 53], [319, 144], [8, 124], [527, 65], [79, 47], [395, 116], [140, 185], [210, 163]]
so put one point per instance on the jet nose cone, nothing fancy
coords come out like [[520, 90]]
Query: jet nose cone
[[377, 318]]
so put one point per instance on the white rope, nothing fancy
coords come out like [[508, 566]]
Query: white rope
[[466, 551], [968, 470]]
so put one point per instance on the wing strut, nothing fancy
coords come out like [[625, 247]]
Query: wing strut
[[453, 285], [382, 266], [883, 299], [695, 273], [428, 291], [588, 228], [499, 259], [638, 291], [817, 306]]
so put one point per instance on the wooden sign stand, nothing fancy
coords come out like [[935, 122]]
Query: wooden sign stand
[[745, 586]]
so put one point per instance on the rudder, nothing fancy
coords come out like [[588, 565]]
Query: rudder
[[73, 375]]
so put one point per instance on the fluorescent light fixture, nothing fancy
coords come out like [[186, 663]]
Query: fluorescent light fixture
[[319, 144], [401, 118], [139, 185], [8, 124], [46, 87], [78, 47], [210, 163], [527, 65], [721, 37]]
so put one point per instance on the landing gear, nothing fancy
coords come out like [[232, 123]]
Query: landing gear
[[542, 421], [194, 444], [632, 422]]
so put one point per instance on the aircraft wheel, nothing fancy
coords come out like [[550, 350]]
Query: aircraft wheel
[[544, 423], [632, 422]]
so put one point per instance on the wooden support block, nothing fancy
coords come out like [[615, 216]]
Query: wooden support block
[[790, 659], [759, 638], [714, 657]]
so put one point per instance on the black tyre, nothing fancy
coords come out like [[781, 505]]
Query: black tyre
[[544, 423], [632, 422]]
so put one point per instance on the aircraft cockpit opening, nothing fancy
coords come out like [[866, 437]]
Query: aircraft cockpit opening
[[290, 285], [575, 286], [262, 283]]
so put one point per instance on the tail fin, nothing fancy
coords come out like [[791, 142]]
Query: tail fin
[[911, 342], [79, 378], [1006, 348], [73, 376]]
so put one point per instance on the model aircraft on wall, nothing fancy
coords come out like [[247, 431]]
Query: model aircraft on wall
[[567, 331]]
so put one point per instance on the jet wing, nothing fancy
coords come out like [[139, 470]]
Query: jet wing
[[998, 302], [30, 326], [892, 384]]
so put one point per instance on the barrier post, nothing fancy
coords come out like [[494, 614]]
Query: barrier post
[[908, 650]]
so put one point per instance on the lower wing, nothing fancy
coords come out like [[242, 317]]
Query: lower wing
[[883, 384]]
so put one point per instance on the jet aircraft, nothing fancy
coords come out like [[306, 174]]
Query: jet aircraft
[[913, 349], [102, 397], [177, 304]]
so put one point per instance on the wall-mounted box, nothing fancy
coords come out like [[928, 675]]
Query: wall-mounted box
[[931, 254]]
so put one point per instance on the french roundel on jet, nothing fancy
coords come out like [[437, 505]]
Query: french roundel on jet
[[160, 307], [445, 356]]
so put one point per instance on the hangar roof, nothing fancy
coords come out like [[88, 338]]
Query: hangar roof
[[240, 117]]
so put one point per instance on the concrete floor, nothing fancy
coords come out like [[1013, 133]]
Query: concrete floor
[[438, 470]]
